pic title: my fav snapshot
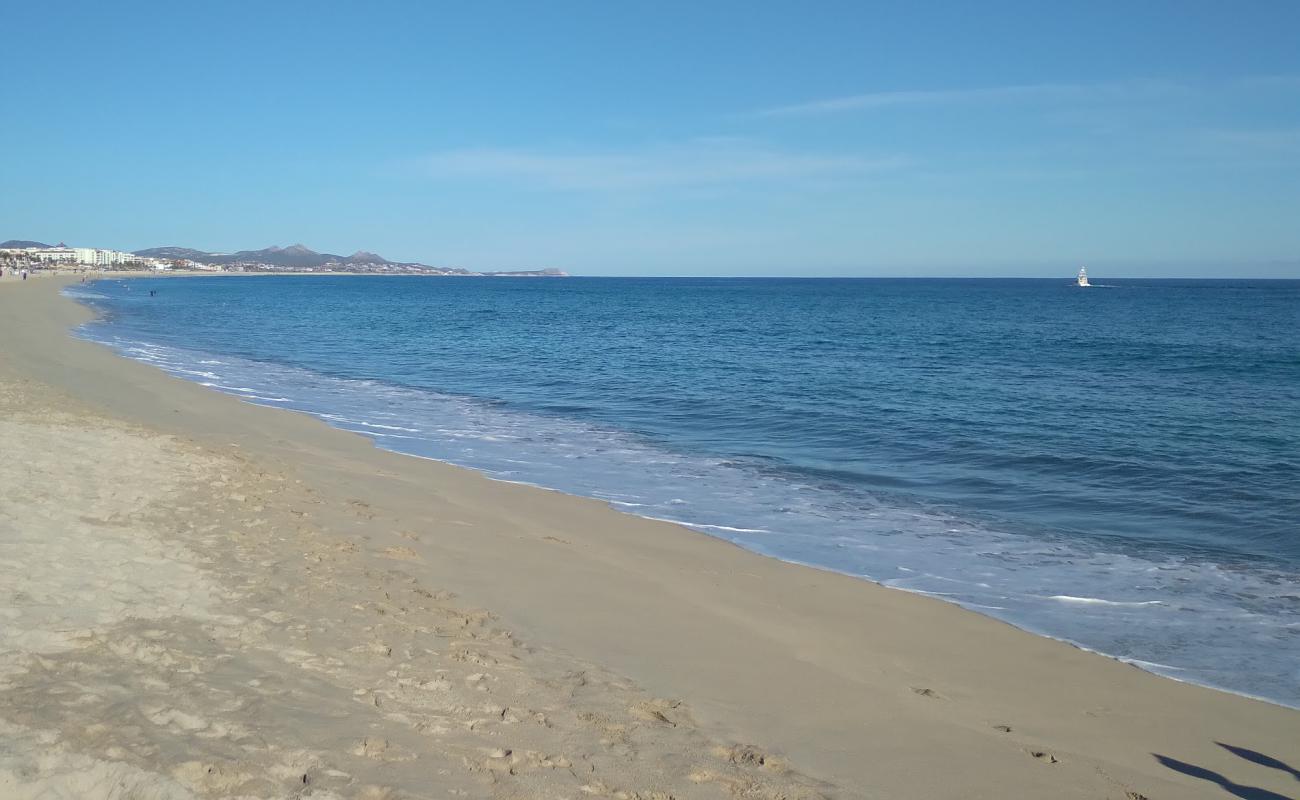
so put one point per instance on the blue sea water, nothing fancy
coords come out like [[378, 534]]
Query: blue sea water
[[1118, 467]]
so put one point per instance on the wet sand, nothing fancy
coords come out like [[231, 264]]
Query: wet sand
[[211, 599]]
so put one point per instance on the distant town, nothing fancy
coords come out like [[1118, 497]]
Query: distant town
[[17, 254]]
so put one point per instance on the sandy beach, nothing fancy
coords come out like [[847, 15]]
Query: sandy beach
[[209, 599]]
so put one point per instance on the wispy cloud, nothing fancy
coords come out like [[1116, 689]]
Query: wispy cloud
[[700, 162], [1281, 82], [1252, 142], [1022, 93]]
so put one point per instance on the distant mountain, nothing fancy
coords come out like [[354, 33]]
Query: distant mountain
[[550, 272], [21, 243], [299, 257], [175, 252], [295, 255]]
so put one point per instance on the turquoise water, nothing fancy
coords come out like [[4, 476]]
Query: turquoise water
[[1118, 466]]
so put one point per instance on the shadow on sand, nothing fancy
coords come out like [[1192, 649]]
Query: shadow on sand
[[1260, 759], [1234, 789]]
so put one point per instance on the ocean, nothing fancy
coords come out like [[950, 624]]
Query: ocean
[[1117, 467]]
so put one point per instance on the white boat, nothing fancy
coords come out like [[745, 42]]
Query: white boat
[[1083, 277]]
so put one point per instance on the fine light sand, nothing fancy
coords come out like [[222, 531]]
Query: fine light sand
[[203, 598]]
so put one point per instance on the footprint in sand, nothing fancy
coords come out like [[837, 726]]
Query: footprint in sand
[[400, 553], [746, 755], [369, 747], [651, 715], [210, 778], [655, 711]]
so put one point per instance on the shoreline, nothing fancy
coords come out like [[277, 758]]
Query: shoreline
[[860, 686], [1169, 671]]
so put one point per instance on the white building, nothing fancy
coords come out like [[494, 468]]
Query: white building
[[85, 256], [53, 255], [92, 256]]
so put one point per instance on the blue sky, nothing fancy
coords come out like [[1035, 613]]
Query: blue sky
[[707, 138]]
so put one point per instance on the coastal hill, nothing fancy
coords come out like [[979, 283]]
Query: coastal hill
[[20, 244], [301, 257], [296, 255]]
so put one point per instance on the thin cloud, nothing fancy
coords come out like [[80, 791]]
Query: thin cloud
[[1023, 93], [1252, 142], [1271, 82], [704, 162]]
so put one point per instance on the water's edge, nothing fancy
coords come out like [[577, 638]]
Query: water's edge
[[391, 440]]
